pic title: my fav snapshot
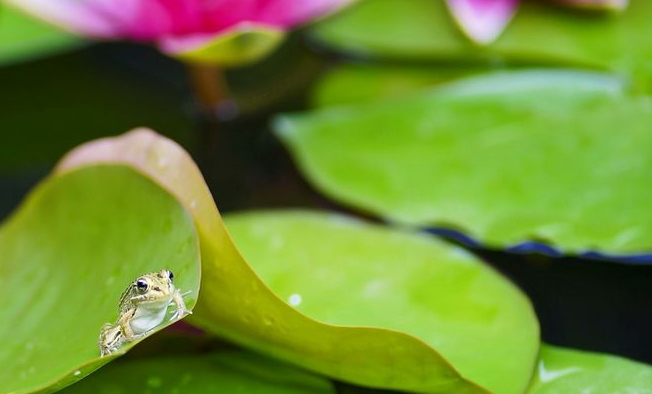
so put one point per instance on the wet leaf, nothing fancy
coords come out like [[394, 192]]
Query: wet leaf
[[346, 272], [540, 33], [67, 254], [237, 305], [560, 158], [232, 372], [566, 371]]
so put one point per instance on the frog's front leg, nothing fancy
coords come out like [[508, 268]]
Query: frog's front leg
[[181, 310], [125, 326], [111, 339]]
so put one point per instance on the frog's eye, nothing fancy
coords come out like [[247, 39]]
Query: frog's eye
[[170, 275], [141, 285]]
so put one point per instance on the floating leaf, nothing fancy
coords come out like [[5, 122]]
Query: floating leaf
[[540, 33], [566, 371], [232, 372], [22, 37], [354, 83], [345, 272], [237, 305], [556, 157], [68, 253]]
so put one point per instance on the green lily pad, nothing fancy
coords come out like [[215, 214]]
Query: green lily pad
[[566, 371], [23, 38], [237, 305], [356, 83], [345, 272], [68, 253], [232, 372], [506, 158], [540, 33]]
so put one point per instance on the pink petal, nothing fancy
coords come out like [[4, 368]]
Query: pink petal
[[288, 13], [482, 20], [70, 15], [152, 20], [598, 4]]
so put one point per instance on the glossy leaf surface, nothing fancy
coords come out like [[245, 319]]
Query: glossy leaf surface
[[345, 272], [540, 33], [478, 156], [237, 305], [230, 372], [68, 253], [566, 371]]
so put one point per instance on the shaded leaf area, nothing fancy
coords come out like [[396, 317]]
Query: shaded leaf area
[[230, 372], [540, 33], [566, 371], [24, 38], [555, 157], [343, 271], [356, 83], [235, 304], [68, 253]]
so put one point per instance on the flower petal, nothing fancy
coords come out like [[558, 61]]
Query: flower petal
[[482, 20], [288, 13], [245, 43], [73, 15]]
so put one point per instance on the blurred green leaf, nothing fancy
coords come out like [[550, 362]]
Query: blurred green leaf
[[230, 372], [355, 83], [236, 304], [242, 46], [68, 253], [547, 156], [566, 371], [540, 33], [345, 272], [23, 38]]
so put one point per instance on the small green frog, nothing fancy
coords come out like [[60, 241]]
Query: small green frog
[[143, 306]]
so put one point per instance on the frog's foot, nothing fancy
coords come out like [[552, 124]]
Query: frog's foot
[[180, 313]]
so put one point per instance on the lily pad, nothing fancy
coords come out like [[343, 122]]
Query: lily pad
[[23, 38], [345, 272], [566, 371], [232, 372], [355, 83], [552, 157], [236, 304], [67, 254], [540, 33]]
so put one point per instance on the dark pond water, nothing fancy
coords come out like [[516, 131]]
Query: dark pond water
[[51, 105]]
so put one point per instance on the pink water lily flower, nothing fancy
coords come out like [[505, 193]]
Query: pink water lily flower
[[484, 20], [209, 31]]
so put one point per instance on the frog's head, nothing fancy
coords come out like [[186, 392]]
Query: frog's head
[[154, 286]]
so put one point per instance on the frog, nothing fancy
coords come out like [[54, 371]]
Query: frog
[[142, 307]]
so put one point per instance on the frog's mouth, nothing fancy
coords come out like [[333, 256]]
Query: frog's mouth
[[151, 299]]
